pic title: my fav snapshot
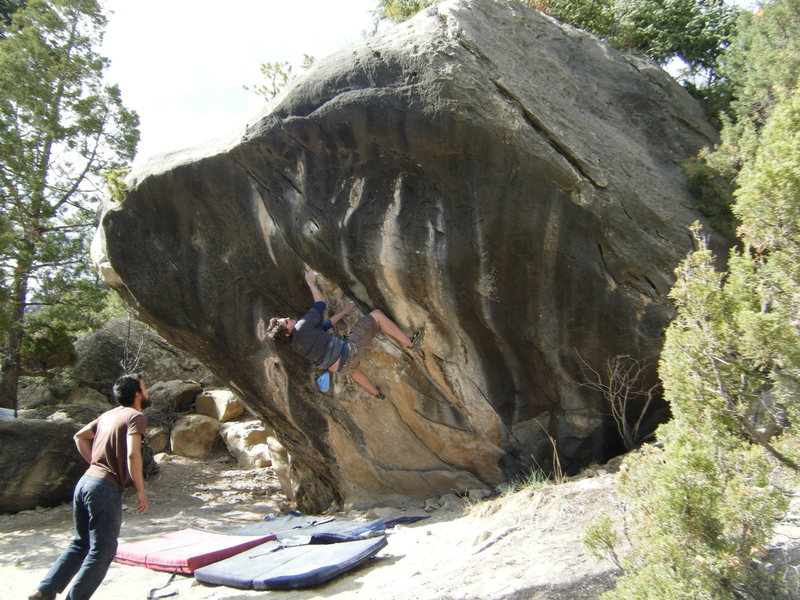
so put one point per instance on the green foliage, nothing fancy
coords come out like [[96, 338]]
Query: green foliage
[[695, 31], [768, 204], [116, 187], [535, 477], [45, 349], [595, 16], [763, 63], [277, 76], [601, 539], [61, 128], [398, 11], [704, 504], [7, 10], [702, 511], [760, 66], [767, 199], [712, 183]]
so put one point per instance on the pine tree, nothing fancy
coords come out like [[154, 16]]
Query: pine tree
[[61, 128], [704, 503]]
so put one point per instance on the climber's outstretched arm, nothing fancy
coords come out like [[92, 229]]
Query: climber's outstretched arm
[[311, 280]]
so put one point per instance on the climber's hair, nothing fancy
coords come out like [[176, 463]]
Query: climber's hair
[[125, 389], [277, 332]]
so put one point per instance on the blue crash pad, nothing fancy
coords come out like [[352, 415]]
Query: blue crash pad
[[273, 524], [294, 529], [271, 566], [333, 532], [404, 520]]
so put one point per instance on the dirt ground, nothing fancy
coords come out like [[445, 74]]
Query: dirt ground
[[522, 545]]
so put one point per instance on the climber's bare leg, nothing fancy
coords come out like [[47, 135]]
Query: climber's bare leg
[[361, 379], [390, 328]]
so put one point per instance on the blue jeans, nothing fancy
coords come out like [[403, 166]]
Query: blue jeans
[[97, 513]]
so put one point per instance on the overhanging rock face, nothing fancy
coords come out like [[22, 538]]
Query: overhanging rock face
[[510, 183]]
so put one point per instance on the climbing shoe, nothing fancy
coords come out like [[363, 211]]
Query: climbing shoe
[[416, 339]]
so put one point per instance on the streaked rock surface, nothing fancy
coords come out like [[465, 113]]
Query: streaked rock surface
[[510, 183]]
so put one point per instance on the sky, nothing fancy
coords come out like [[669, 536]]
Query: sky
[[182, 64]]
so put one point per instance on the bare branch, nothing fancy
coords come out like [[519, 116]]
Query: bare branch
[[621, 387]]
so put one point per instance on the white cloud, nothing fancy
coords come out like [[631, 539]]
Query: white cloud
[[181, 64]]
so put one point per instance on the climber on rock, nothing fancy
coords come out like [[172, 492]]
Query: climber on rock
[[309, 337]]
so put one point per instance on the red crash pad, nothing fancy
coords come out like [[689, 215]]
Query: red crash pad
[[185, 550]]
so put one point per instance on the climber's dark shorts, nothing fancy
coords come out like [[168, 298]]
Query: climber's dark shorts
[[360, 336]]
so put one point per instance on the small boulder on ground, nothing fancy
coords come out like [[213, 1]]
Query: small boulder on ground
[[169, 398], [247, 443], [281, 466], [158, 438], [212, 382], [223, 405], [195, 436], [451, 502]]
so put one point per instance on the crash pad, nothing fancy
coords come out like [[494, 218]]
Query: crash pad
[[333, 532], [404, 520], [296, 530], [185, 550], [273, 524], [271, 566]]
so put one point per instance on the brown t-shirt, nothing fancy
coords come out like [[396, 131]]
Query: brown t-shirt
[[110, 443]]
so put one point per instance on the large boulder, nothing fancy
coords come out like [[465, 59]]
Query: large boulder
[[35, 393], [174, 396], [84, 405], [122, 345], [82, 413], [39, 464], [510, 183]]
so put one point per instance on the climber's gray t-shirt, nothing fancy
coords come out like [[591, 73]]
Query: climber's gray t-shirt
[[311, 340]]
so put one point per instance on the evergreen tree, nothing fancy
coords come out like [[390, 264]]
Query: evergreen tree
[[760, 65], [61, 128], [704, 505], [763, 64], [7, 8], [277, 76]]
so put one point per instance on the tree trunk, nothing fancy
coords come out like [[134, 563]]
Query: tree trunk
[[11, 369]]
